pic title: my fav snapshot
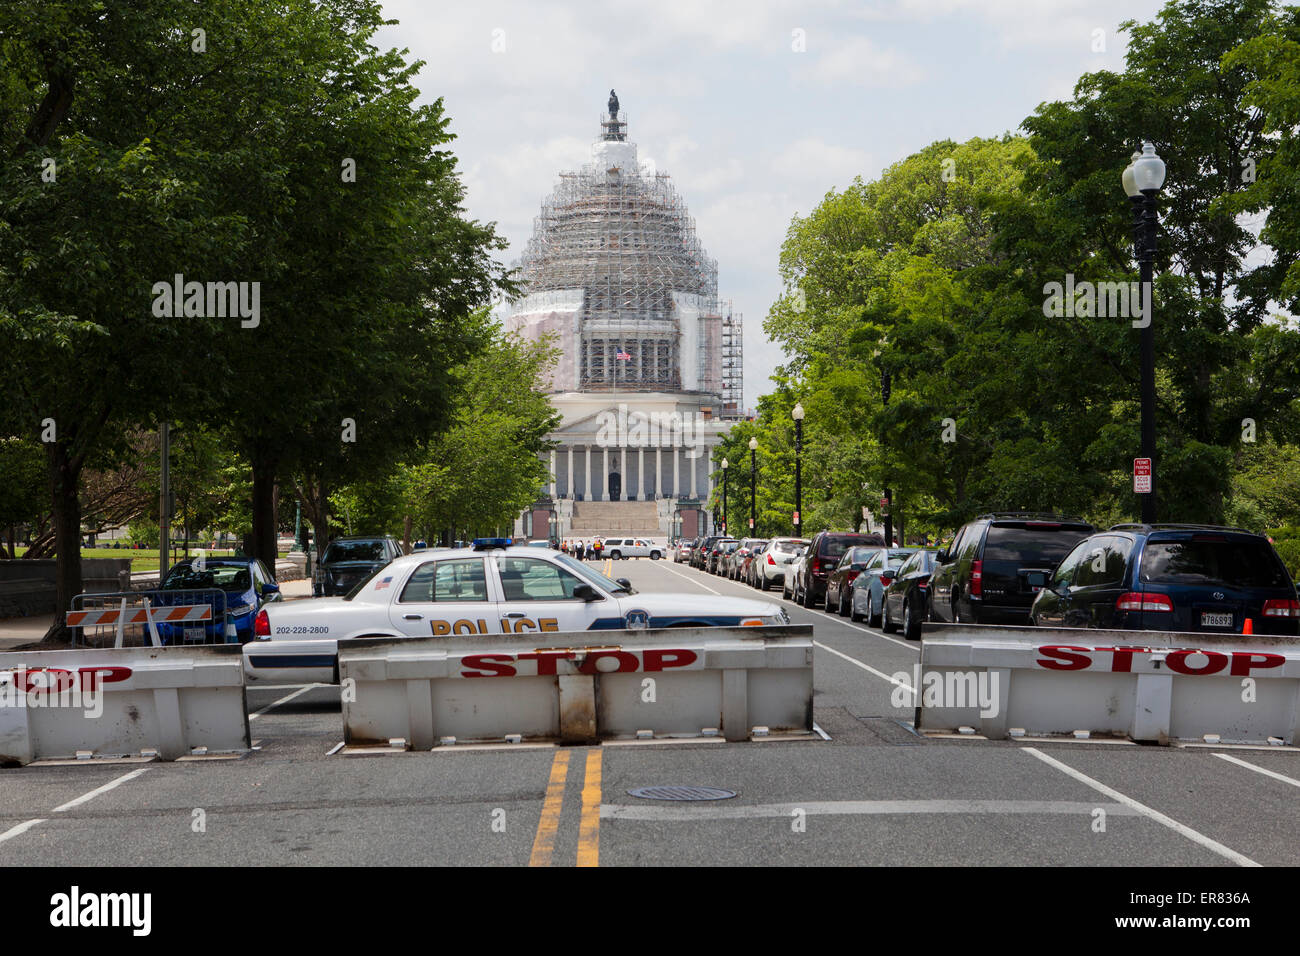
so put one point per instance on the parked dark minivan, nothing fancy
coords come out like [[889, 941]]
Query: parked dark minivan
[[820, 560], [1171, 577], [997, 564]]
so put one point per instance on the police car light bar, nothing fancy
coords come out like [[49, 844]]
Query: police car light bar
[[487, 544]]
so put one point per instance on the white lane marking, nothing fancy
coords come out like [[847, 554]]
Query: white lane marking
[[910, 645], [820, 733], [1267, 773], [283, 700], [865, 667], [336, 748], [693, 581], [1194, 835], [85, 797], [913, 646], [721, 811], [19, 830]]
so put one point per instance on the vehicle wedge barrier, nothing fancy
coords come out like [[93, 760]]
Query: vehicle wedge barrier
[[577, 687], [117, 702], [97, 617], [1144, 685]]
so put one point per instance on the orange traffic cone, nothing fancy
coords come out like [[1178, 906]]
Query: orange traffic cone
[[1249, 628]]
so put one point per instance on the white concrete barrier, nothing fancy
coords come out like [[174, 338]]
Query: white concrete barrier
[[171, 701], [678, 682], [1144, 685]]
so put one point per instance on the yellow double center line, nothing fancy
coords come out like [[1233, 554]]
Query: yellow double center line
[[589, 825]]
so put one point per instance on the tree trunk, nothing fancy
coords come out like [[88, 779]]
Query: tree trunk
[[63, 477], [406, 535], [320, 521], [264, 530]]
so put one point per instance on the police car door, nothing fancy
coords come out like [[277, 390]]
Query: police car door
[[538, 595], [445, 598]]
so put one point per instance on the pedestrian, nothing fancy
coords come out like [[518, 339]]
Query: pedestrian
[[578, 549], [598, 546]]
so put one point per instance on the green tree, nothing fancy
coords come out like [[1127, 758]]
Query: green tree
[[22, 489], [1181, 91], [478, 473], [143, 141]]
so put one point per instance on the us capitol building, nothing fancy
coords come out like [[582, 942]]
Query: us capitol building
[[650, 370]]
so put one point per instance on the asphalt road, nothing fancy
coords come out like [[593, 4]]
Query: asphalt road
[[875, 793]]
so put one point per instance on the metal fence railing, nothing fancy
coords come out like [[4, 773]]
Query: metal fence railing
[[160, 618]]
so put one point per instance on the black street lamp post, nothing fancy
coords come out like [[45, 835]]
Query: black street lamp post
[[724, 496], [753, 475], [889, 495], [797, 414], [1142, 181]]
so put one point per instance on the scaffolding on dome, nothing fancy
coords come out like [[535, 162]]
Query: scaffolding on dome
[[733, 362], [626, 239]]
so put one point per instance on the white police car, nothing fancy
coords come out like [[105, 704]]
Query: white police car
[[489, 589]]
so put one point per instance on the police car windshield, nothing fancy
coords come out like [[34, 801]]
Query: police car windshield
[[595, 577], [356, 588]]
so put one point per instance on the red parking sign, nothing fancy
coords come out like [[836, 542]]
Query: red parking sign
[[1142, 476]]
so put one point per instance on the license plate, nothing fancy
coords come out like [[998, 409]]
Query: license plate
[[195, 634], [1209, 619]]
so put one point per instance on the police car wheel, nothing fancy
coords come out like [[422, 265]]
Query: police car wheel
[[654, 555], [615, 555]]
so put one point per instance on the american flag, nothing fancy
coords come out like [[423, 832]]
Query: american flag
[[384, 583], [623, 356]]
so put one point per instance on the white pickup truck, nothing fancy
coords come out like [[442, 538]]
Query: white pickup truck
[[633, 548]]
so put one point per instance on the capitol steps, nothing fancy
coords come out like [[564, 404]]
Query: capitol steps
[[605, 518]]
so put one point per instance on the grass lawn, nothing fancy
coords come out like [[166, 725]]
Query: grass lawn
[[144, 560]]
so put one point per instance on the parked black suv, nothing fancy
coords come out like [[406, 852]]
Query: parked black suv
[[820, 560], [1171, 577], [997, 564], [700, 556], [349, 560]]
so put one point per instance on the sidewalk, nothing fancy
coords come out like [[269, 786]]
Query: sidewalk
[[15, 631]]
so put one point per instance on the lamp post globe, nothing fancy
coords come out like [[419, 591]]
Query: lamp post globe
[[1142, 180]]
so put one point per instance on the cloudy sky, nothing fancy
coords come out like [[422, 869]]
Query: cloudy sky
[[756, 108]]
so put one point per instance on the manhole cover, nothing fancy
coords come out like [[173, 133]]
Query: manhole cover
[[682, 793]]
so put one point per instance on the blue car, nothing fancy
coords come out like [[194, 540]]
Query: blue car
[[247, 586], [1170, 577]]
